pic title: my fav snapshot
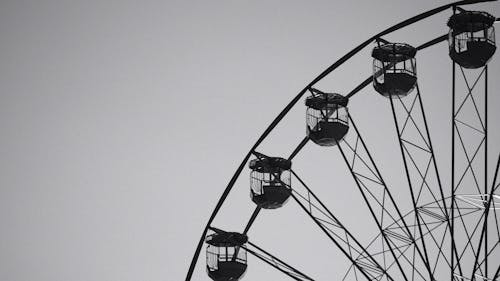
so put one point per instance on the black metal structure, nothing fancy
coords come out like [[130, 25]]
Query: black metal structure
[[470, 138], [448, 233]]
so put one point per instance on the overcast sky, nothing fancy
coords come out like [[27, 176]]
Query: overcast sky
[[122, 122]]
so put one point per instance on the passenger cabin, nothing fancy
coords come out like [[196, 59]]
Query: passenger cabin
[[270, 181], [326, 117], [226, 259], [394, 69], [471, 38]]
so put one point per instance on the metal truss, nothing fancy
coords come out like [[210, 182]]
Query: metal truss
[[470, 176], [421, 172], [276, 262], [346, 242], [403, 248], [398, 237]]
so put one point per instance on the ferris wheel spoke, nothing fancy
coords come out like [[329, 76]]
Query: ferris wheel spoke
[[422, 175], [487, 209], [469, 166], [410, 117], [385, 215], [416, 146], [413, 197], [401, 256], [345, 247], [423, 170], [373, 199], [276, 262], [497, 273], [469, 130], [421, 140], [430, 229], [469, 236], [471, 96], [410, 262], [470, 161], [440, 245], [337, 232], [496, 220], [356, 156], [469, 91], [488, 254]]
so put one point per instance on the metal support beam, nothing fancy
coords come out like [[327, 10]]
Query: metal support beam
[[275, 262], [378, 202], [287, 108], [410, 184], [469, 166], [269, 258], [484, 232], [338, 233]]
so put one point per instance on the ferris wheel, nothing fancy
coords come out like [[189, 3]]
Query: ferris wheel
[[452, 232]]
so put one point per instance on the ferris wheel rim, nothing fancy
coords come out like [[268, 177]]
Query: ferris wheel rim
[[292, 103]]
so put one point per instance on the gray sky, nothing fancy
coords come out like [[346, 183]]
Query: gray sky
[[123, 121]]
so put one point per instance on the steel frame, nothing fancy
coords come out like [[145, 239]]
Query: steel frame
[[369, 184], [474, 161], [388, 236]]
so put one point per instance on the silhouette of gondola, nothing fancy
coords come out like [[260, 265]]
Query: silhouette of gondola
[[394, 69], [471, 38], [327, 119], [270, 181], [226, 259]]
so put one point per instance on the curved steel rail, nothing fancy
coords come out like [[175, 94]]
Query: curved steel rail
[[292, 103]]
